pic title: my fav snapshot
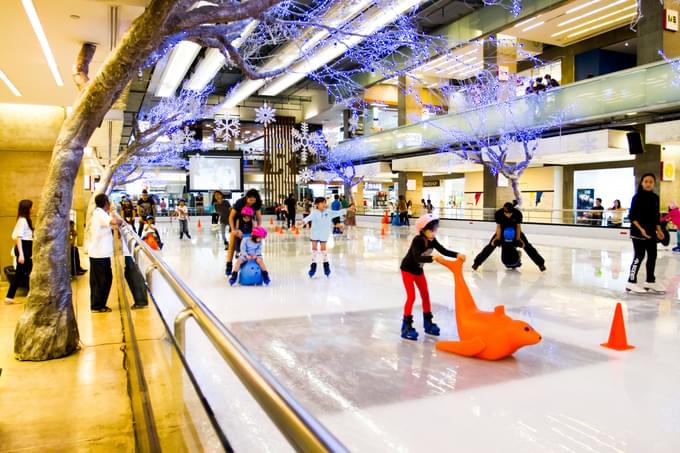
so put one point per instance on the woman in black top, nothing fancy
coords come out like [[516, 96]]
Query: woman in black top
[[412, 274], [645, 230], [253, 200]]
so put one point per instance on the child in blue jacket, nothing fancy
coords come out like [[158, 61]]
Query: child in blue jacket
[[251, 249], [322, 224]]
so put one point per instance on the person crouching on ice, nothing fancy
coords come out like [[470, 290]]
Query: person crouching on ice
[[413, 275], [321, 220], [251, 249]]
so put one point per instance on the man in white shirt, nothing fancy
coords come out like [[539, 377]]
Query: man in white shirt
[[100, 252]]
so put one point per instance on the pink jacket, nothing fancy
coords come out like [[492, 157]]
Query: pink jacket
[[674, 216]]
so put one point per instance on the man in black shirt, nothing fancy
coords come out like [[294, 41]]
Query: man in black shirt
[[291, 204], [146, 206], [598, 210], [509, 217]]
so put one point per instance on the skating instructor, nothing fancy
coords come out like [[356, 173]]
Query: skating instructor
[[509, 217], [253, 200]]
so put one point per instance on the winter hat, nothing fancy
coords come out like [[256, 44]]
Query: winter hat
[[247, 210], [259, 232], [425, 221]]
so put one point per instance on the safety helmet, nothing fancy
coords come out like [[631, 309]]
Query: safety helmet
[[259, 232], [424, 221], [247, 210]]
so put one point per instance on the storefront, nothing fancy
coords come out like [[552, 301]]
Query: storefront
[[608, 184]]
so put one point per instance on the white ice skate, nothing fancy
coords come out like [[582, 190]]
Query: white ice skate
[[635, 288], [654, 288]]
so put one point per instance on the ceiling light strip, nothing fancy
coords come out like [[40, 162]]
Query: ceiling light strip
[[531, 27], [9, 84], [590, 13], [580, 7], [592, 21], [42, 39], [604, 24], [180, 60], [524, 22]]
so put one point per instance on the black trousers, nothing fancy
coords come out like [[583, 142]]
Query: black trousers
[[75, 260], [643, 247], [528, 248], [291, 218], [403, 218], [23, 271], [101, 278]]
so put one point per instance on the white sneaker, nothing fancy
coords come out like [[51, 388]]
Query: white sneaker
[[635, 288], [9, 301], [654, 288]]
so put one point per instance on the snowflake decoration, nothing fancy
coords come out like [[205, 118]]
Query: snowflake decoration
[[227, 128], [265, 115], [183, 136], [303, 142], [588, 144], [354, 122], [306, 175]]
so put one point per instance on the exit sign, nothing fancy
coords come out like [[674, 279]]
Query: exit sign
[[670, 21]]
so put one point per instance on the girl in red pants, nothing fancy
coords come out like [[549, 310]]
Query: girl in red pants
[[412, 273]]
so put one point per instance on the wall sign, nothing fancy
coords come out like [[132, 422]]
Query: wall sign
[[410, 184], [670, 20], [667, 170], [435, 183]]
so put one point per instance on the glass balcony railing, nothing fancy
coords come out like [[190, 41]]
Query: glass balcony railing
[[644, 88]]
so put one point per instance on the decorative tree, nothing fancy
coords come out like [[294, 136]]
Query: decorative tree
[[500, 129], [47, 328], [334, 164]]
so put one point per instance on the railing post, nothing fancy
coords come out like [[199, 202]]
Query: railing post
[[148, 272], [179, 327]]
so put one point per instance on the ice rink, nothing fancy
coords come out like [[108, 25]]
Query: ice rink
[[334, 343]]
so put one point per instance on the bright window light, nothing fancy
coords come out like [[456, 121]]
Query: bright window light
[[590, 13], [9, 84], [42, 39]]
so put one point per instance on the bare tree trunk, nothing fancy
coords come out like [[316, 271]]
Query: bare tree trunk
[[514, 182], [47, 328]]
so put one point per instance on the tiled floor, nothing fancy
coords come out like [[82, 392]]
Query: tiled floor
[[335, 344]]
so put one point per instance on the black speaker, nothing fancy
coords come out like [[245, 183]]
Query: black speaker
[[635, 143]]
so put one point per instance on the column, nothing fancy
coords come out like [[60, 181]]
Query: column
[[489, 201], [409, 111], [415, 194], [651, 34]]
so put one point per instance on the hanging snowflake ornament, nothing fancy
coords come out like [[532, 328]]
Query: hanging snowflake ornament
[[306, 176], [183, 136], [303, 142], [265, 115], [354, 122], [227, 128]]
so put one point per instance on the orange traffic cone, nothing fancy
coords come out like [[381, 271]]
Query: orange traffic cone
[[617, 335], [382, 230], [198, 225], [271, 221]]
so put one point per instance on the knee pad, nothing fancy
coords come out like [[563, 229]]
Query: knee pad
[[324, 255]]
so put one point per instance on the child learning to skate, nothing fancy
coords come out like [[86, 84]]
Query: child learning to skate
[[322, 224], [251, 249], [244, 226], [674, 216], [150, 234], [413, 275]]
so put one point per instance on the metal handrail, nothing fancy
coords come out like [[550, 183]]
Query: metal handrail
[[301, 429]]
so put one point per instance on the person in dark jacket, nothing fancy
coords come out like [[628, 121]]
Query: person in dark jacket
[[645, 231], [291, 205], [413, 275]]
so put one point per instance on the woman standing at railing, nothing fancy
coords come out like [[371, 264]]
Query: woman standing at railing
[[645, 229], [616, 214]]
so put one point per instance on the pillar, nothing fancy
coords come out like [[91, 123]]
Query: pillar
[[651, 34], [359, 194], [409, 110], [490, 188], [415, 194]]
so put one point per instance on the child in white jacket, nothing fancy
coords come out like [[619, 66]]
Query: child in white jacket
[[322, 224]]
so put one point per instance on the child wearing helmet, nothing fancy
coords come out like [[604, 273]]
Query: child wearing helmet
[[321, 220], [150, 234], [244, 226], [251, 249], [413, 275]]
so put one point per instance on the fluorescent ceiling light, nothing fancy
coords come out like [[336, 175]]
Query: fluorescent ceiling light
[[9, 84], [592, 21], [590, 13], [524, 22], [242, 92], [604, 24], [213, 61], [531, 27], [380, 17], [178, 64], [42, 39], [580, 7]]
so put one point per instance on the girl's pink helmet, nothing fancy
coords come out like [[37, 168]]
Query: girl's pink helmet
[[424, 220], [259, 232], [247, 210]]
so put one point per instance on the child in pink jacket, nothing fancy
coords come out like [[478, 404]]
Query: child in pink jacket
[[674, 216]]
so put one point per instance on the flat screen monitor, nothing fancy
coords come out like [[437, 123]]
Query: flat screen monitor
[[216, 173]]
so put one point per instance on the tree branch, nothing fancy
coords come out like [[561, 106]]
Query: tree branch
[[211, 14], [81, 68]]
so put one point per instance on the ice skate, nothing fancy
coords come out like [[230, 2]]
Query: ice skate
[[635, 288], [430, 327], [327, 269], [407, 330], [654, 288], [312, 270]]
